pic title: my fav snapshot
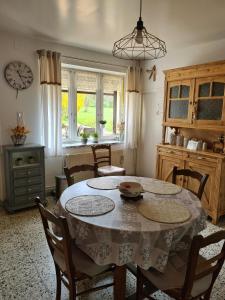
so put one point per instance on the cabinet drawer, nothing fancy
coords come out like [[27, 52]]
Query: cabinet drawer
[[34, 172], [201, 158], [27, 199], [170, 152], [19, 182], [27, 172], [20, 173], [20, 191], [28, 189], [34, 188]]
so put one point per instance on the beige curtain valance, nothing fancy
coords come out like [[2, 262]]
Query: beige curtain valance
[[134, 79], [50, 67]]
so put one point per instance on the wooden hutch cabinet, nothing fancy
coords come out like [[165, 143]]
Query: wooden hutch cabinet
[[194, 106]]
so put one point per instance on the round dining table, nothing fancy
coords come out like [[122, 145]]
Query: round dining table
[[123, 235]]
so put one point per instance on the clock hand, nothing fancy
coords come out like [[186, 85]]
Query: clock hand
[[20, 77]]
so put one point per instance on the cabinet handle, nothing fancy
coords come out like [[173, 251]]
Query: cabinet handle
[[200, 157], [172, 152], [29, 190]]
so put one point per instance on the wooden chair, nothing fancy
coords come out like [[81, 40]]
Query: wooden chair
[[193, 280], [102, 157], [69, 172], [71, 264], [202, 178]]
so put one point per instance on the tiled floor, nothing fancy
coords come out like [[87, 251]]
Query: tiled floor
[[27, 270]]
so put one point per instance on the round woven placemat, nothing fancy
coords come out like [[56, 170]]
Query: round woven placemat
[[103, 183], [164, 211], [163, 188], [89, 205]]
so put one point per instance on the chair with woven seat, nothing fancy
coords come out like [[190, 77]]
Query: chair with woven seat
[[69, 172], [202, 178], [71, 264], [102, 161], [189, 275]]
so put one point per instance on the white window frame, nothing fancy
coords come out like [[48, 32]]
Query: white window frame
[[72, 105]]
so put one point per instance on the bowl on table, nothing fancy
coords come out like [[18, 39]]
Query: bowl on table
[[130, 189]]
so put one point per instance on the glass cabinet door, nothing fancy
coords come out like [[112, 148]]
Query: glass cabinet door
[[209, 101], [179, 99]]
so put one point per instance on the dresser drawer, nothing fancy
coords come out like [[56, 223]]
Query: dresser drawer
[[33, 172], [170, 152], [19, 182], [34, 188], [28, 189], [200, 158], [28, 199], [27, 172], [20, 173]]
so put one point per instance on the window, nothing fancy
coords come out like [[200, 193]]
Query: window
[[88, 98]]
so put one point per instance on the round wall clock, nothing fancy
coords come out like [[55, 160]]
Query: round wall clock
[[18, 75]]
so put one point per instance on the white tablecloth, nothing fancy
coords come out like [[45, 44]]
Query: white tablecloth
[[123, 235]]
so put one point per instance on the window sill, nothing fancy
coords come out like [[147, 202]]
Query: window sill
[[79, 144]]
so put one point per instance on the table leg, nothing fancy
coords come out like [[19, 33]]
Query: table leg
[[120, 283]]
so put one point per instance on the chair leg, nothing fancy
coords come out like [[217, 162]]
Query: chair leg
[[72, 290], [140, 283], [58, 283]]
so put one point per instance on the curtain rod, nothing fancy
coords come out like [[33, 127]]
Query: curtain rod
[[94, 61]]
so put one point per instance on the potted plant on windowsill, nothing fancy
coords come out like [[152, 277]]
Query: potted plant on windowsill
[[84, 137], [102, 123], [95, 137]]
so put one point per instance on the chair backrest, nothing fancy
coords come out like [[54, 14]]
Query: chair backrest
[[198, 270], [202, 178], [101, 156], [60, 243], [69, 172]]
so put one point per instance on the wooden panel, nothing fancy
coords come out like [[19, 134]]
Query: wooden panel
[[211, 190], [165, 168]]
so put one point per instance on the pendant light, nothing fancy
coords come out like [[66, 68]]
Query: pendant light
[[139, 45]]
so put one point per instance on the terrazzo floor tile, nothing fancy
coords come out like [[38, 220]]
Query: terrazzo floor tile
[[27, 269]]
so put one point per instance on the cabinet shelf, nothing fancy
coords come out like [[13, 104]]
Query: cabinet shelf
[[27, 166]]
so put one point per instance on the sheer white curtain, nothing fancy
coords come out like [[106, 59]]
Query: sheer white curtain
[[50, 80], [133, 118]]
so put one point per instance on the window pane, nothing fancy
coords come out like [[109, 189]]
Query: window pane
[[113, 104], [184, 91], [218, 89], [65, 79], [174, 92], [86, 81], [65, 115], [178, 109], [204, 90], [210, 109], [108, 112], [86, 112]]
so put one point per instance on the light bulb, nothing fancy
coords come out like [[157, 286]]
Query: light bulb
[[139, 37]]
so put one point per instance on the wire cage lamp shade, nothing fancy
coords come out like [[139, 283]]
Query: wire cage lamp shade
[[139, 45]]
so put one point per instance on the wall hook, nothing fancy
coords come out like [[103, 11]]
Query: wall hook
[[152, 73]]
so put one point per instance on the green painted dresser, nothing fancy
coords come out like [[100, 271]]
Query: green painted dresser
[[24, 175]]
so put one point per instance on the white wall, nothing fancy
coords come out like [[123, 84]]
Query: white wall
[[154, 93], [15, 47]]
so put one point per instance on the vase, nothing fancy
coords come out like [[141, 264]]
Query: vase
[[18, 140]]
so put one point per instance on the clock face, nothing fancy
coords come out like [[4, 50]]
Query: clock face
[[18, 75]]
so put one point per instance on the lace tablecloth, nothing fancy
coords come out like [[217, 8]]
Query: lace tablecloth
[[123, 235]]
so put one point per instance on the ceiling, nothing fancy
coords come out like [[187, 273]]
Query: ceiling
[[96, 24]]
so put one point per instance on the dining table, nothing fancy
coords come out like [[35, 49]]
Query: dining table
[[121, 232]]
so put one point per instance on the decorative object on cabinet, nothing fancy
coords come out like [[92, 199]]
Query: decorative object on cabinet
[[218, 146], [18, 75], [24, 177], [194, 106], [19, 132], [139, 44]]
